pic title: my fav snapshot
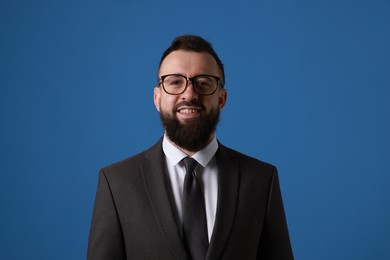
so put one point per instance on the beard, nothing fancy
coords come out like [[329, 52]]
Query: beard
[[195, 134]]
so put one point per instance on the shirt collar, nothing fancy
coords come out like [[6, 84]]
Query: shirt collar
[[203, 157]]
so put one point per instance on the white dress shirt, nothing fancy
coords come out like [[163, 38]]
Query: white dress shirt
[[208, 175]]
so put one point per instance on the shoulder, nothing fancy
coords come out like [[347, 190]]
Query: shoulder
[[243, 158], [246, 162], [124, 164], [133, 163]]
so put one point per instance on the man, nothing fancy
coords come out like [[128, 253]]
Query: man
[[161, 204]]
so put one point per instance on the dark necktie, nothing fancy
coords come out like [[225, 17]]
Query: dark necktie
[[194, 213]]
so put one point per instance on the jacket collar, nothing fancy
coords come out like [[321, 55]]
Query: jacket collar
[[228, 183], [159, 197]]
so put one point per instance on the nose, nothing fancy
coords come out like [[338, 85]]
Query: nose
[[189, 93]]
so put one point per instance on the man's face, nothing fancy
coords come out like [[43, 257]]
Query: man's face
[[189, 110]]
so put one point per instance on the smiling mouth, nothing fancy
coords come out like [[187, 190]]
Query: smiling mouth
[[188, 110]]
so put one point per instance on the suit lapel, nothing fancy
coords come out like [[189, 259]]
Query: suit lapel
[[153, 174], [228, 184]]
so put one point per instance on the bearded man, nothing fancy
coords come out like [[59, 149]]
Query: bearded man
[[188, 196]]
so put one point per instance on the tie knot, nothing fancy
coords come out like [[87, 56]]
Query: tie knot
[[190, 164]]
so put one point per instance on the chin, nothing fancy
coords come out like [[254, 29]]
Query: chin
[[189, 121]]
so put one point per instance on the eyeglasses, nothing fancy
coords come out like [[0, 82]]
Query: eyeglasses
[[176, 84]]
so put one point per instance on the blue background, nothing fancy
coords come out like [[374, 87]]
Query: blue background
[[309, 90]]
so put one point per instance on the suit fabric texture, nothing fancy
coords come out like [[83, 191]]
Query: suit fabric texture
[[135, 216]]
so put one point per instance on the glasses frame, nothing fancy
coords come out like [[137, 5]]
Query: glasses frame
[[218, 79]]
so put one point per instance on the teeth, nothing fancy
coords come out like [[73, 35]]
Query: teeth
[[187, 111]]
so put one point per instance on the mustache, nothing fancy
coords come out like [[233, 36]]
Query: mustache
[[193, 103]]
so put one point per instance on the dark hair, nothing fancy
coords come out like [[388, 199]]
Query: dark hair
[[196, 44]]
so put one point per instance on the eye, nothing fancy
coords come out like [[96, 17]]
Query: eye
[[174, 81], [204, 82]]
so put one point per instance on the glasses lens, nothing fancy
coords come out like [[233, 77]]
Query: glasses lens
[[205, 85], [174, 84]]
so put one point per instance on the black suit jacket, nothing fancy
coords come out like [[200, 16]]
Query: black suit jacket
[[135, 216]]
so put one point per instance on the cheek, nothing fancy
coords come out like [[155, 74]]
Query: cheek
[[212, 104], [167, 103]]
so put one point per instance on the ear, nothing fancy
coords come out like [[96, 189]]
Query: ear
[[222, 98], [157, 97]]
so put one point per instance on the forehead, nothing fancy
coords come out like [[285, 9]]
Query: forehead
[[189, 63]]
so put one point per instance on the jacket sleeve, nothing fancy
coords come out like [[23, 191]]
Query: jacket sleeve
[[275, 241], [105, 238]]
